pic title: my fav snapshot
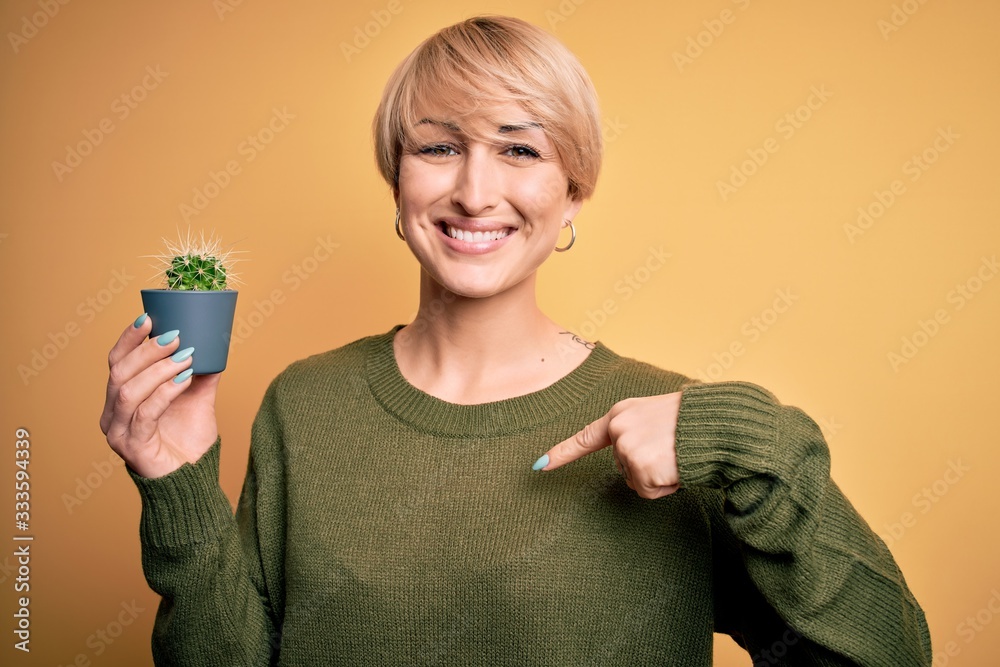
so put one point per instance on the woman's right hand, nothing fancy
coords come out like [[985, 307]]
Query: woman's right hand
[[154, 423]]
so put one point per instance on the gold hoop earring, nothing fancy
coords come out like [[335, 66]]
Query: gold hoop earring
[[572, 238], [399, 232]]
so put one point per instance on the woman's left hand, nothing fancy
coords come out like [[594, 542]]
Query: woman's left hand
[[640, 432]]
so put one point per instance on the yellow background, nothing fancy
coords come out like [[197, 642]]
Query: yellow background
[[675, 129]]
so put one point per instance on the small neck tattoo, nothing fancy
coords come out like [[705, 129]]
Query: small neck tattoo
[[577, 339]]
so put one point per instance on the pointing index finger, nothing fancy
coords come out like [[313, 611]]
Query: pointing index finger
[[592, 438]]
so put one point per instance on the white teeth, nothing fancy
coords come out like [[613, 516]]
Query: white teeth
[[476, 237]]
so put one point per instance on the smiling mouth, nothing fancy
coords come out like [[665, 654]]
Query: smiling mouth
[[475, 237]]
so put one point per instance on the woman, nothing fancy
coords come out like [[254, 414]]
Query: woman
[[390, 514]]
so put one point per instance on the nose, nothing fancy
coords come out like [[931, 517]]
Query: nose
[[476, 182]]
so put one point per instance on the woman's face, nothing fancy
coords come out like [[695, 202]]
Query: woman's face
[[482, 215]]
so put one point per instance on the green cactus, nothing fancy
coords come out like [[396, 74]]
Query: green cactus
[[194, 272], [193, 264]]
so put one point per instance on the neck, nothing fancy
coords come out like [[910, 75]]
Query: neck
[[474, 350]]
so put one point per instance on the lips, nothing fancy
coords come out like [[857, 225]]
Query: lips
[[475, 230], [476, 236], [471, 236]]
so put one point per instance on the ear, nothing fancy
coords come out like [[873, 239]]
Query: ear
[[395, 194], [572, 208]]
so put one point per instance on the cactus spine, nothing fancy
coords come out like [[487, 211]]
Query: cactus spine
[[196, 264]]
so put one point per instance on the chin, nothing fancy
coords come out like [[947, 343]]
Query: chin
[[475, 287], [467, 291]]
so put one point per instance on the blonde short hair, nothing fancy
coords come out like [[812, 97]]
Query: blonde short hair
[[484, 62]]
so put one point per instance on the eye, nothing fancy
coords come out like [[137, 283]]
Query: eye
[[522, 152], [438, 150]]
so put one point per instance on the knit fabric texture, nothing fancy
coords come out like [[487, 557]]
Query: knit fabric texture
[[379, 525]]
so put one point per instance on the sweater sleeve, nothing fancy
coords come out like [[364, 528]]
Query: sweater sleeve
[[800, 575], [218, 574]]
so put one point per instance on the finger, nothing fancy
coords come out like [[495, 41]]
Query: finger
[[130, 339], [125, 398], [205, 385], [136, 359], [592, 438], [127, 342], [654, 492], [619, 464], [147, 414]]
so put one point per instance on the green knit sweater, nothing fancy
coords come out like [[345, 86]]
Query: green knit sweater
[[379, 525]]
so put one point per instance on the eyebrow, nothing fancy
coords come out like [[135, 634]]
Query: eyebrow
[[503, 129], [450, 126], [520, 127]]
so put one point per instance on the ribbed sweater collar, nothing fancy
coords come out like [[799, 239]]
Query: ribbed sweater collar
[[432, 415]]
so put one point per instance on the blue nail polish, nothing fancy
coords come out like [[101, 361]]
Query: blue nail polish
[[541, 462], [139, 320], [168, 337], [181, 355], [183, 375]]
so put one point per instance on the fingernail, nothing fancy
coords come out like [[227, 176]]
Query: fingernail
[[181, 355], [541, 462], [183, 375], [167, 337], [139, 320]]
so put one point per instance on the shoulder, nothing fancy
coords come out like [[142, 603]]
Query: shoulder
[[633, 377], [640, 374], [337, 368]]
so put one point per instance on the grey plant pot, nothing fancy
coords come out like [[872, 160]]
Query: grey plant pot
[[204, 319]]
